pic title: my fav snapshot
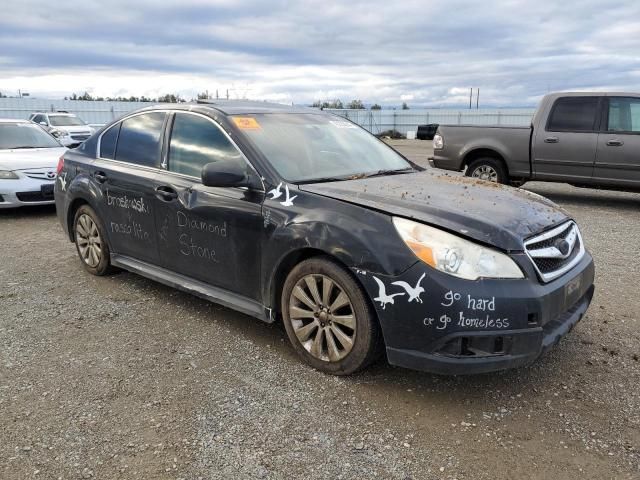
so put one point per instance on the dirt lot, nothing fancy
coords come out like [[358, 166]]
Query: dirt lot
[[120, 377]]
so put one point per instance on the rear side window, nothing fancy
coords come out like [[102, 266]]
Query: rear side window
[[573, 114], [108, 142], [139, 139], [196, 141], [624, 115]]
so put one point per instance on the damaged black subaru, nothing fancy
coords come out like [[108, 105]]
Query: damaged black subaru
[[296, 214]]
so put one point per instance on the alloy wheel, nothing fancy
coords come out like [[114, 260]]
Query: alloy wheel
[[88, 240], [485, 172], [322, 317]]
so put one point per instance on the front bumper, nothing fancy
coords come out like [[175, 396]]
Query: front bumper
[[468, 327], [24, 192]]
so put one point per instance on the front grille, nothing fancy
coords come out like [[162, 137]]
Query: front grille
[[556, 251], [32, 197]]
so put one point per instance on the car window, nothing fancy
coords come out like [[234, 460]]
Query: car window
[[108, 142], [139, 139], [65, 121], [37, 118], [624, 115], [573, 114], [25, 135], [196, 141]]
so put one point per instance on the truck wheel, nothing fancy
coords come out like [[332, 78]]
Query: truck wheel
[[91, 242], [489, 169], [328, 319]]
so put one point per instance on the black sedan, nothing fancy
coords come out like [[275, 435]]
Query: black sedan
[[297, 215]]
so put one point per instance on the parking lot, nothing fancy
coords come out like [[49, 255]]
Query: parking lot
[[121, 377]]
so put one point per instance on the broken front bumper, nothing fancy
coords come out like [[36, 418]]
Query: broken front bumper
[[466, 327]]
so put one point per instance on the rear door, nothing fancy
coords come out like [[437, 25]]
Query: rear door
[[565, 149], [129, 159], [210, 234], [618, 156]]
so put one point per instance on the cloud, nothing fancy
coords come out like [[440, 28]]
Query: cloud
[[422, 52]]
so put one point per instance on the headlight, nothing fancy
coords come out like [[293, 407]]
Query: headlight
[[59, 133], [8, 175], [438, 141], [454, 255]]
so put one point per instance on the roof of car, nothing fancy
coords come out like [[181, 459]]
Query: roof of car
[[13, 120], [234, 107]]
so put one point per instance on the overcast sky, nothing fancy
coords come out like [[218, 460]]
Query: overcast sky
[[421, 52]]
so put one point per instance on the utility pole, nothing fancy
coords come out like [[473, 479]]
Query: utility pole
[[478, 100], [470, 97], [227, 94], [217, 94]]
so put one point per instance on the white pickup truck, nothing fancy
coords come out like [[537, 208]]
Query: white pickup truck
[[584, 138]]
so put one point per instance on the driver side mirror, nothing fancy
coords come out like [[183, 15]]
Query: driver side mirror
[[228, 173]]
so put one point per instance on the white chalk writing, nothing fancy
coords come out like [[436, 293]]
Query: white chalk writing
[[188, 247], [123, 201], [201, 225]]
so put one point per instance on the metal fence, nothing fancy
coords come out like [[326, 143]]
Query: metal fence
[[376, 121], [92, 112], [403, 121]]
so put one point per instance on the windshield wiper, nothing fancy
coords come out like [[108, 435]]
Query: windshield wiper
[[381, 173], [357, 176]]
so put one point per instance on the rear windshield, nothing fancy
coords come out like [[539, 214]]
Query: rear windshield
[[65, 121], [25, 135], [310, 147]]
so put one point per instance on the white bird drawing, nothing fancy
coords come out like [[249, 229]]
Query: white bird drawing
[[63, 181], [382, 297], [276, 192], [414, 292], [289, 200]]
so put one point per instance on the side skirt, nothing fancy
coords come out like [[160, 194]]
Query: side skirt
[[195, 287]]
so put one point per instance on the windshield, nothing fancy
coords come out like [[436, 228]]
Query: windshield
[[25, 135], [65, 121], [316, 147]]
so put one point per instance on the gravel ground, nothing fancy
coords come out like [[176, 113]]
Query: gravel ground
[[120, 377]]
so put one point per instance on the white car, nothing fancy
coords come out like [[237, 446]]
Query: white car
[[28, 164], [68, 128]]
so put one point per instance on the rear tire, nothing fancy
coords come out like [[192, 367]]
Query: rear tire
[[488, 169], [91, 242], [328, 319]]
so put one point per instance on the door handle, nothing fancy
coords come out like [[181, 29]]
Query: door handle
[[615, 143], [551, 140], [100, 177], [166, 193]]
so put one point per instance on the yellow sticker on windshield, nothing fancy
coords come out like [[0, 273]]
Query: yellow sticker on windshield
[[246, 123]]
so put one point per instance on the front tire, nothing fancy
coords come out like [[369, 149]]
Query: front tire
[[91, 242], [488, 169], [328, 318]]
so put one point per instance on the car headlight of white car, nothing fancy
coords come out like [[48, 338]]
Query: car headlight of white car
[[455, 255], [8, 175], [59, 133]]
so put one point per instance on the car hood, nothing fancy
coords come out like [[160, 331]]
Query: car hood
[[26, 158], [74, 128], [487, 212]]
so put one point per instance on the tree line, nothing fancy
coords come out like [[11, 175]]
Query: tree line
[[352, 105]]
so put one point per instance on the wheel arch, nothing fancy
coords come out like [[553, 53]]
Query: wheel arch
[[295, 257], [477, 153], [75, 204]]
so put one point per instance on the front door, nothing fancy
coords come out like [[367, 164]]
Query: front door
[[210, 234], [125, 170], [618, 157], [566, 147]]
